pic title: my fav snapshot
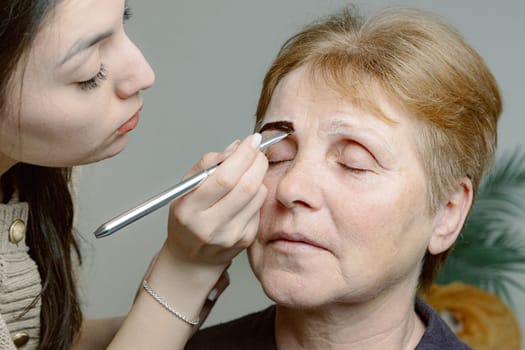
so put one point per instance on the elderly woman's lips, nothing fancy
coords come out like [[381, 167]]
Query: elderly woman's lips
[[293, 241]]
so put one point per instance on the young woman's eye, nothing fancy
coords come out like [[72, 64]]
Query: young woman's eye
[[127, 13], [94, 82]]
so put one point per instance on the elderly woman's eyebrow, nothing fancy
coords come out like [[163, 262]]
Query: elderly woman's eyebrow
[[282, 125]]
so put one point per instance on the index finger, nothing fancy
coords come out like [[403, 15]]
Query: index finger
[[227, 175]]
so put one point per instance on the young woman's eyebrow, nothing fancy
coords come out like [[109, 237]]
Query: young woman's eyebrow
[[281, 125], [84, 44]]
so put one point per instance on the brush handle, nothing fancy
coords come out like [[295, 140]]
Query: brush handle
[[166, 197]]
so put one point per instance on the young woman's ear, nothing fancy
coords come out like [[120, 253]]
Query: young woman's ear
[[451, 217]]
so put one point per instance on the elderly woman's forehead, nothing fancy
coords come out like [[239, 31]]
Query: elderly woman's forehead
[[355, 88]]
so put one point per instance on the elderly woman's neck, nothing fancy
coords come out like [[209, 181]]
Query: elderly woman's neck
[[390, 323]]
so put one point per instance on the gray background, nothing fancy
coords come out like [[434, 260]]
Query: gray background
[[210, 58]]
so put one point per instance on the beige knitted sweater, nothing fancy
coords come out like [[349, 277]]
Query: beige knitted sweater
[[19, 284]]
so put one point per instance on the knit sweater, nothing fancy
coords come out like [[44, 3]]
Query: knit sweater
[[20, 284]]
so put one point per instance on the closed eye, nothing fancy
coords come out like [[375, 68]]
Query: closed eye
[[353, 169], [281, 152], [355, 158], [94, 82]]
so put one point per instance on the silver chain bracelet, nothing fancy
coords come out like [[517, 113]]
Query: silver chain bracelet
[[167, 306]]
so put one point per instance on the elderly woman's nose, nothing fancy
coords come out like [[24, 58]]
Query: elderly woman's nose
[[301, 185]]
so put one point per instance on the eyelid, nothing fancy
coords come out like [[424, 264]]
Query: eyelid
[[93, 82], [363, 155], [281, 151]]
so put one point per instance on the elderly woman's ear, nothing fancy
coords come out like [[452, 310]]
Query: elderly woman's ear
[[451, 217]]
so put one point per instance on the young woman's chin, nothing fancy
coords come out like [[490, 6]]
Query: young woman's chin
[[114, 149], [93, 156]]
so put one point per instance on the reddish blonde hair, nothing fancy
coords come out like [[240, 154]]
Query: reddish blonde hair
[[422, 65]]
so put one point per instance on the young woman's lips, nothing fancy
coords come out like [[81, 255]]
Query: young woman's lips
[[130, 124]]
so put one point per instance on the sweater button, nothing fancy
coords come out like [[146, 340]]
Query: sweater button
[[20, 339], [17, 231]]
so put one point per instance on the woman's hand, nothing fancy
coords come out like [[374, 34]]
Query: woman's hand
[[207, 228], [212, 224]]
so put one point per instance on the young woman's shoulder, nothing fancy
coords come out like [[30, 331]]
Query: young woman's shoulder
[[20, 284]]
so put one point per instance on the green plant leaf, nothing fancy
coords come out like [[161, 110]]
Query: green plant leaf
[[492, 243]]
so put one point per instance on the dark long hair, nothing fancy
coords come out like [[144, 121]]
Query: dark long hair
[[50, 235]]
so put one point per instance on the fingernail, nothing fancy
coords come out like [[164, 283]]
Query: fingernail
[[232, 146], [256, 140], [213, 294]]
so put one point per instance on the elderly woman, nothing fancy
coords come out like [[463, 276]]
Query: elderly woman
[[394, 123]]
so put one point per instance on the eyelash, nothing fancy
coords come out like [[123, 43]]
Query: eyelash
[[94, 82], [275, 162], [269, 156], [353, 170], [127, 13]]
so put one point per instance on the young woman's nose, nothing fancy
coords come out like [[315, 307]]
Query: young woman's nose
[[137, 74], [300, 185]]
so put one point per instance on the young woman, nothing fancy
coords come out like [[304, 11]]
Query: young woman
[[70, 94]]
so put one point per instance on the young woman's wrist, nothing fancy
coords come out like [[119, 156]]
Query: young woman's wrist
[[184, 284]]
